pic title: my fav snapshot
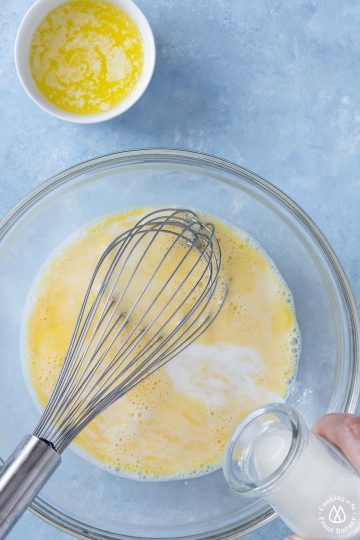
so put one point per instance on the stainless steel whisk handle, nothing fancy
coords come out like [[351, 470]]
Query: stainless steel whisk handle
[[22, 477]]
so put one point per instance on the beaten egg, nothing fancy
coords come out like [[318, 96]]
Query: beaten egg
[[86, 56], [176, 423]]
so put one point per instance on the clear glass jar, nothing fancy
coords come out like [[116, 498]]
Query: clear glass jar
[[307, 481]]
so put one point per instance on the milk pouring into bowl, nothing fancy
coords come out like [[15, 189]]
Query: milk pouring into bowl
[[201, 507], [315, 491]]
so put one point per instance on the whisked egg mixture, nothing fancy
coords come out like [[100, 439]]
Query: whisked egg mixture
[[177, 423]]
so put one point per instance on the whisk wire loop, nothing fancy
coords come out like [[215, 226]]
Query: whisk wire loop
[[153, 292]]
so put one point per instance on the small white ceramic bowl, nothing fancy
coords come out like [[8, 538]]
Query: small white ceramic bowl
[[22, 45]]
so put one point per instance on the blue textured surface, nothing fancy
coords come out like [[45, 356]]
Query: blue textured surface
[[269, 84]]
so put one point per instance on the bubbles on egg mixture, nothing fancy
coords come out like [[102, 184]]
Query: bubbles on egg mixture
[[177, 423]]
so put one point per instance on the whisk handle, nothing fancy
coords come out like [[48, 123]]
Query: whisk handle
[[22, 477]]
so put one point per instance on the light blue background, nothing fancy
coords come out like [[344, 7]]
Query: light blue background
[[273, 85]]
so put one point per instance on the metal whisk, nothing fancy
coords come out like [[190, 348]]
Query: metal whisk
[[155, 289]]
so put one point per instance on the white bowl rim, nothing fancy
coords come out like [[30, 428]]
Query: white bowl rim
[[24, 34]]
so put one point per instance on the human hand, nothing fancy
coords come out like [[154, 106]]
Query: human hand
[[342, 430]]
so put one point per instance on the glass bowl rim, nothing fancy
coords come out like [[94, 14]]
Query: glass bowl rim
[[81, 530]]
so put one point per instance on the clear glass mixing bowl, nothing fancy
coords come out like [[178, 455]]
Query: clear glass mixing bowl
[[87, 501]]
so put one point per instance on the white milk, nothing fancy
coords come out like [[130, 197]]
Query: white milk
[[271, 450], [313, 488], [215, 373]]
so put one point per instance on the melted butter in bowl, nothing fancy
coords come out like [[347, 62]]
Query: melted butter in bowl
[[175, 424], [85, 61], [86, 56]]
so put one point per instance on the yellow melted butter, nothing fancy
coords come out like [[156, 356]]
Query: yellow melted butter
[[86, 56], [176, 423]]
